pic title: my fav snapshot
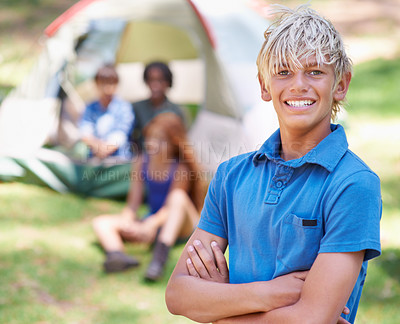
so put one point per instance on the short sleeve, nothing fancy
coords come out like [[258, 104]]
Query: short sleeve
[[353, 213], [87, 121], [213, 215]]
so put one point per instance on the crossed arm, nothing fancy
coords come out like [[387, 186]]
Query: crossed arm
[[317, 296]]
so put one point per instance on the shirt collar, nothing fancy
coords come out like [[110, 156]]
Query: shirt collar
[[326, 154]]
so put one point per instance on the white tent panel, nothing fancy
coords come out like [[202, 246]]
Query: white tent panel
[[216, 138], [188, 79], [26, 124]]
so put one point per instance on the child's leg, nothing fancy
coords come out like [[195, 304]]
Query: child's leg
[[107, 229], [182, 218]]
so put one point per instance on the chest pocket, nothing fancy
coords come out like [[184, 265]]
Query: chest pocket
[[298, 245]]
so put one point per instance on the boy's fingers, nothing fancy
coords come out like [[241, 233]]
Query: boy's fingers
[[205, 257], [191, 269], [341, 320], [220, 259], [197, 262]]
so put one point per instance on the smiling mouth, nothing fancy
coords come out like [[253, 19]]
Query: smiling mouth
[[299, 103]]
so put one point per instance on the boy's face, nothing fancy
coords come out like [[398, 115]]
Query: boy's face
[[157, 84], [106, 89], [303, 98]]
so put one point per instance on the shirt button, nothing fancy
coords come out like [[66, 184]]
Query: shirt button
[[279, 184]]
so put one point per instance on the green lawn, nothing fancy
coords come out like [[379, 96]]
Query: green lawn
[[50, 264], [373, 130], [376, 141], [374, 90]]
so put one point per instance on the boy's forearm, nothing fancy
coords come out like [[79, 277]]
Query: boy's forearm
[[325, 292], [291, 314], [207, 301], [209, 298], [284, 315], [244, 319]]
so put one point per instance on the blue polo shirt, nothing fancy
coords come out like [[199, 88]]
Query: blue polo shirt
[[278, 215]]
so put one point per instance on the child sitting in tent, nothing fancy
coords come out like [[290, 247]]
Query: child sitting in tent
[[158, 77], [168, 176], [106, 123]]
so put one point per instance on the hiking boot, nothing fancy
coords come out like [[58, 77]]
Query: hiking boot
[[156, 268], [155, 271], [118, 261]]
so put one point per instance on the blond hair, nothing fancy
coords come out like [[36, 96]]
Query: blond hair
[[300, 34]]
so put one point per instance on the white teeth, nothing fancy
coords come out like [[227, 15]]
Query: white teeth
[[299, 103]]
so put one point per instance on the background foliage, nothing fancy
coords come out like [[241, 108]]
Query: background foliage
[[50, 263]]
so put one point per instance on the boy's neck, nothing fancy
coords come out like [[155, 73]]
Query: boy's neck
[[295, 145], [157, 102], [105, 102]]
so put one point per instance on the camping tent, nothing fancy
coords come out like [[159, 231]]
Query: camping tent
[[211, 47]]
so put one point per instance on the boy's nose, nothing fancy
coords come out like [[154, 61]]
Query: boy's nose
[[299, 83], [109, 88], [155, 84]]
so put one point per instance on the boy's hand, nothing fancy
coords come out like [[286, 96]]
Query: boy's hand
[[203, 265], [105, 149], [341, 320]]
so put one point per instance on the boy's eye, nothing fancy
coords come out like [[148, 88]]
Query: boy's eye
[[283, 72]]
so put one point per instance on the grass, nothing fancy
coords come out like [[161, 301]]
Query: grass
[[21, 25], [380, 299], [50, 268], [374, 89], [50, 264], [372, 127]]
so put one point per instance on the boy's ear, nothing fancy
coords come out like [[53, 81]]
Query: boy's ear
[[342, 87], [265, 95]]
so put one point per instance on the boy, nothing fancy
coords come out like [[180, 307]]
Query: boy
[[301, 215], [106, 123], [158, 78]]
